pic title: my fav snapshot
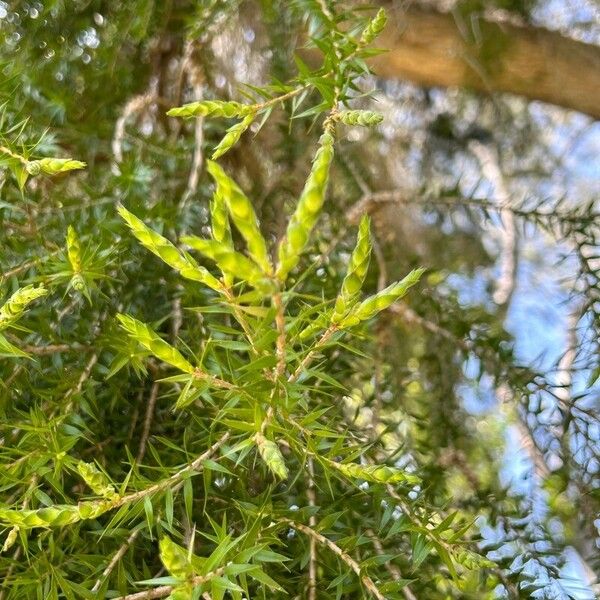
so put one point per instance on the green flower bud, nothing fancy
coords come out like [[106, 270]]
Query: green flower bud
[[221, 231], [10, 540], [96, 480], [232, 135], [52, 166], [308, 209], [271, 455], [210, 108], [242, 214], [167, 252], [15, 306], [357, 271], [380, 301], [366, 118], [374, 28], [375, 473], [153, 343], [230, 262], [73, 249], [175, 558]]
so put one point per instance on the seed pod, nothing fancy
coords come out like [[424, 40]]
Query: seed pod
[[357, 270], [230, 262], [154, 343], [271, 455], [96, 480], [175, 558], [232, 135], [167, 252], [308, 209], [375, 473], [10, 540], [371, 306], [366, 118], [52, 166], [374, 28], [242, 214], [15, 306], [210, 108], [73, 249]]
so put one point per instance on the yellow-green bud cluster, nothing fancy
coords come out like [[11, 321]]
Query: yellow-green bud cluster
[[54, 516], [373, 28], [219, 221], [96, 480], [167, 252], [308, 209], [52, 166], [230, 262], [175, 558], [232, 135], [10, 540], [357, 271], [271, 455], [375, 473], [14, 307], [242, 214], [374, 304], [471, 560], [366, 118], [73, 249], [210, 108], [318, 324], [152, 342]]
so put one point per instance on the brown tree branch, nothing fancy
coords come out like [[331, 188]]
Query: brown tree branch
[[444, 50]]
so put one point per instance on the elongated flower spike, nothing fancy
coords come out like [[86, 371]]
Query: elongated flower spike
[[307, 211], [271, 454], [373, 28], [15, 306], [167, 252], [357, 270], [232, 135], [243, 215], [366, 118], [96, 480], [53, 166], [210, 108], [232, 263], [152, 342], [375, 473], [219, 221], [374, 304], [175, 558]]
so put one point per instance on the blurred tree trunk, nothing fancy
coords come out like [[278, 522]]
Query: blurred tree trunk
[[441, 49]]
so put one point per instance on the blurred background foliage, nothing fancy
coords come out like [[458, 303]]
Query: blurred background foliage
[[486, 379]]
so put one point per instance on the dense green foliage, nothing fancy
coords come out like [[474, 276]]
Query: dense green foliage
[[209, 388]]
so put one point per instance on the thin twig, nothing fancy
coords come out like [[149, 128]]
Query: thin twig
[[344, 556], [391, 568], [115, 559], [165, 590], [148, 421], [312, 521]]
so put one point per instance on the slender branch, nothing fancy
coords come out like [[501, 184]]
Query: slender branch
[[390, 567], [148, 421], [312, 521], [165, 590], [344, 556], [115, 559], [280, 324], [311, 354]]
